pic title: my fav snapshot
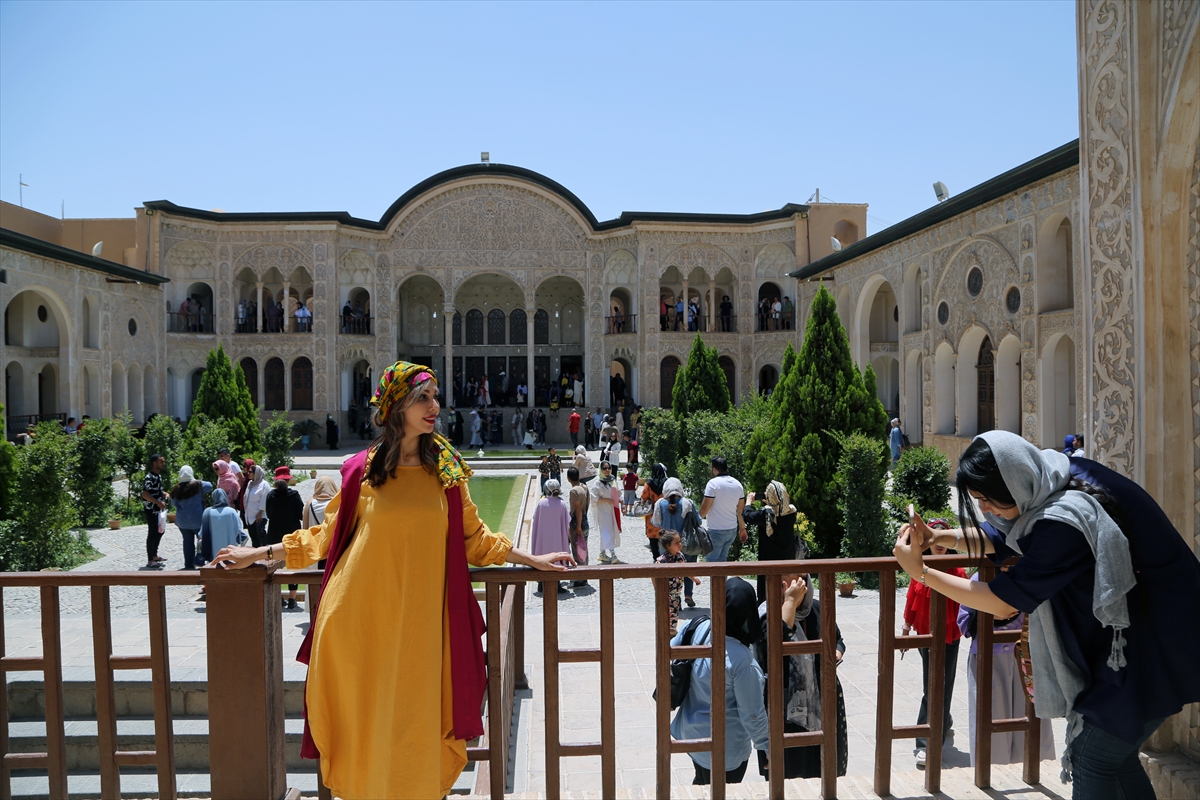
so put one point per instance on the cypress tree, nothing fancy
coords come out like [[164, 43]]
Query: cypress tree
[[224, 396], [700, 385], [879, 415], [821, 398]]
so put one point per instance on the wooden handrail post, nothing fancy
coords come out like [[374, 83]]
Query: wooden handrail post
[[829, 686], [983, 693], [936, 706], [56, 735], [662, 683], [887, 686], [775, 673], [245, 678], [717, 732]]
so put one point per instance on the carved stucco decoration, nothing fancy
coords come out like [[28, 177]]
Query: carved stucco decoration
[[189, 260], [987, 309], [260, 258], [491, 226], [1178, 21], [1109, 247], [705, 257]]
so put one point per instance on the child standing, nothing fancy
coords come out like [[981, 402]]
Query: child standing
[[672, 545], [1008, 691], [916, 617], [630, 483], [554, 463]]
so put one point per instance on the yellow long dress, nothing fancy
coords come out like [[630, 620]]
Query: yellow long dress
[[379, 689]]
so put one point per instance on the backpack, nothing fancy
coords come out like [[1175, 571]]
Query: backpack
[[681, 668], [904, 442]]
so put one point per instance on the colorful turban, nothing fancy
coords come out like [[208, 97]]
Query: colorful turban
[[397, 381]]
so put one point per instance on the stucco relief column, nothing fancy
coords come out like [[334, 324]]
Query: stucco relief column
[[686, 305], [259, 309], [529, 313], [287, 309], [589, 390], [448, 377], [712, 305]]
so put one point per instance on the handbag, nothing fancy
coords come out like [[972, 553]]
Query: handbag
[[681, 668], [696, 541], [162, 521], [642, 508]]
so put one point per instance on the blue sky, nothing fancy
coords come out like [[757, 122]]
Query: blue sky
[[709, 107]]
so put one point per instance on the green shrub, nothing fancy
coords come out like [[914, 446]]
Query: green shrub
[[711, 434], [202, 441], [163, 437], [861, 476], [660, 440], [8, 470], [223, 396], [45, 509], [821, 396], [278, 442], [923, 473], [92, 480], [128, 452]]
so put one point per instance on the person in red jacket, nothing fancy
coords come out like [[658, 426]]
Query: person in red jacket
[[573, 427], [916, 618]]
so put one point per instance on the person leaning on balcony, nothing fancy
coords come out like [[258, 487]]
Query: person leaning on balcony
[[745, 713], [1112, 591], [801, 617], [388, 716]]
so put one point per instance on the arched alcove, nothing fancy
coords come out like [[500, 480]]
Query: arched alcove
[[668, 370], [914, 411], [196, 377], [912, 300], [768, 378], [845, 232], [302, 384], [972, 395], [250, 371], [91, 392], [875, 321], [562, 299], [356, 313], [620, 314], [117, 388], [1055, 253], [944, 363], [48, 391], [1058, 391], [1008, 385], [274, 385], [768, 293], [133, 393], [14, 391], [729, 367], [150, 392], [90, 323]]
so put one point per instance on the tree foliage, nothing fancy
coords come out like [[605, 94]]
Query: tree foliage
[[224, 396], [861, 480], [711, 434], [820, 396], [163, 437], [129, 454], [700, 384], [202, 441], [8, 471], [923, 476], [659, 441], [278, 442], [91, 482]]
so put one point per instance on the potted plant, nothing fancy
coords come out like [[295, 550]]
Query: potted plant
[[312, 473], [846, 583], [115, 518], [305, 429]]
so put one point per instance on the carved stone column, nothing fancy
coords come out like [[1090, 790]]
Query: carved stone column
[[686, 304], [287, 309], [529, 314], [448, 377], [712, 305], [259, 308]]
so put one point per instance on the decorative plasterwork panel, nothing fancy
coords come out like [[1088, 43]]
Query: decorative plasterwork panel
[[1177, 25], [260, 258], [706, 258], [1107, 195], [189, 260]]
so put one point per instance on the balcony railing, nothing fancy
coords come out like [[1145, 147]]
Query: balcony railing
[[245, 656], [722, 323], [356, 326], [274, 325], [764, 323], [622, 324], [190, 323]]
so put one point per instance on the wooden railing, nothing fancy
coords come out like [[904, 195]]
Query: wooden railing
[[245, 659]]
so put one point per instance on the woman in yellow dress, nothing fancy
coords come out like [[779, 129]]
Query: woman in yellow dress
[[381, 688]]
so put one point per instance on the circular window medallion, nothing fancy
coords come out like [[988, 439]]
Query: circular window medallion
[[133, 327], [42, 314], [975, 281], [1012, 301], [943, 313]]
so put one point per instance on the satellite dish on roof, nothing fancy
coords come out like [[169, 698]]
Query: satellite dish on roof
[[834, 243], [97, 248], [943, 194]]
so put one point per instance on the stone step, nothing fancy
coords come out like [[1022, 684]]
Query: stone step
[[191, 742], [137, 782]]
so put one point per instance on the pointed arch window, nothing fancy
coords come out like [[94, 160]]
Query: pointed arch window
[[518, 332], [457, 329], [302, 384], [541, 327], [274, 385], [495, 327], [474, 326], [250, 371]]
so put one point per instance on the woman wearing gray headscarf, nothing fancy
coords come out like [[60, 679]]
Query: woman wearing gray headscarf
[[1112, 591], [220, 527]]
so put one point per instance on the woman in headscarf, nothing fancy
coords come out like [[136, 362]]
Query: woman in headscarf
[[774, 527], [476, 427], [669, 513], [324, 490], [745, 713], [551, 518], [583, 463], [220, 526], [802, 676], [387, 714], [254, 507], [227, 479], [606, 501], [652, 492], [188, 499], [1112, 591]]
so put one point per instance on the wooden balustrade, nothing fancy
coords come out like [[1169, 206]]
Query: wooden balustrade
[[246, 716]]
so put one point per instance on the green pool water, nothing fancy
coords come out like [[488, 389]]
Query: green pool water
[[499, 501]]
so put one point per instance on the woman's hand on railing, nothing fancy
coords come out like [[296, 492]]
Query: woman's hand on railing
[[241, 557], [547, 562]]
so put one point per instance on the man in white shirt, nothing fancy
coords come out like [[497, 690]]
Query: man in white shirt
[[724, 500], [227, 457]]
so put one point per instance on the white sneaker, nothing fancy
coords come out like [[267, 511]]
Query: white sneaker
[[920, 759]]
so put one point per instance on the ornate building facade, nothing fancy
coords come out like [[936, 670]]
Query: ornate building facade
[[493, 269]]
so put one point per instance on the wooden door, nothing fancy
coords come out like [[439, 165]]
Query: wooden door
[[986, 374]]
